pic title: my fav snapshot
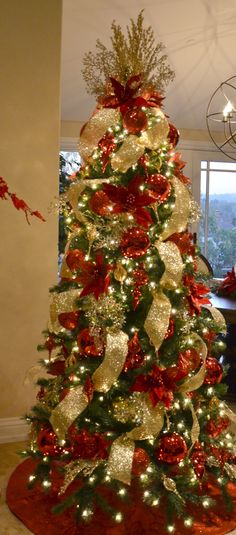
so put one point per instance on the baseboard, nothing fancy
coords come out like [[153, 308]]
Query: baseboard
[[13, 430]]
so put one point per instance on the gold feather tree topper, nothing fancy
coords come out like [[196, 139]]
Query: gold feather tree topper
[[132, 55]]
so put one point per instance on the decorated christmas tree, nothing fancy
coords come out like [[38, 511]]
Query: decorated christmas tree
[[130, 416]]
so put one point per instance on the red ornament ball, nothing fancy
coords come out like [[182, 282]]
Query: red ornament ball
[[47, 442], [69, 320], [141, 462], [74, 258], [87, 346], [214, 371], [135, 242], [135, 120], [173, 135], [160, 187], [172, 449]]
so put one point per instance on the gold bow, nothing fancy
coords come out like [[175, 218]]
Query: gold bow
[[170, 255], [111, 367]]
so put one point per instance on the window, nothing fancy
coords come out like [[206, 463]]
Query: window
[[217, 230], [69, 164]]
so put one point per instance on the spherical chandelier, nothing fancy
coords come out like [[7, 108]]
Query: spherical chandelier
[[221, 117]]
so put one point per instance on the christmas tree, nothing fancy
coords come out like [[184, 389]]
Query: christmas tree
[[132, 402]]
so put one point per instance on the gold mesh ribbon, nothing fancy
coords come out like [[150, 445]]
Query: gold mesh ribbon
[[120, 460], [153, 137], [76, 467], [111, 367], [122, 451], [194, 382], [228, 412], [61, 302], [179, 217], [157, 320], [95, 129], [67, 410], [217, 317], [76, 189], [153, 420], [170, 255], [195, 431], [127, 155]]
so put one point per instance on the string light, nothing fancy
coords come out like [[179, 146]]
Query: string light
[[171, 528], [118, 517], [206, 503], [46, 484], [188, 522], [32, 478]]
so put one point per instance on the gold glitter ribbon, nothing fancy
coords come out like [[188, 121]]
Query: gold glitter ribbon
[[217, 317], [153, 137], [228, 412], [73, 469], [153, 420], [179, 217], [122, 451], [120, 460], [111, 367], [77, 188], [194, 382], [195, 431], [95, 129], [170, 255], [67, 410], [128, 154], [157, 320], [61, 302], [133, 147]]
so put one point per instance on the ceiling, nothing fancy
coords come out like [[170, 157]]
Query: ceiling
[[200, 40]]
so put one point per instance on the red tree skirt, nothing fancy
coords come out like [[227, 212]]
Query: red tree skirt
[[33, 508]]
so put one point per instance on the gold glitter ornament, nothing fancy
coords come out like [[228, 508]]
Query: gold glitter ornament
[[95, 129], [153, 421], [157, 320], [129, 409], [170, 485], [120, 272], [70, 361], [170, 255], [230, 470], [104, 313]]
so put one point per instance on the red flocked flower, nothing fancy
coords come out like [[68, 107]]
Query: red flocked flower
[[215, 427], [159, 383], [196, 293], [87, 445], [130, 199], [135, 355], [178, 168], [94, 276], [183, 240]]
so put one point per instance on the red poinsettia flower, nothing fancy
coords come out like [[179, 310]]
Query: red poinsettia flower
[[130, 199], [228, 286], [183, 240], [94, 276], [123, 95], [196, 292], [87, 445], [159, 384], [178, 168]]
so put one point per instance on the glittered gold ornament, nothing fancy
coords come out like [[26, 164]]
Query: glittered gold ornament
[[120, 272], [128, 409]]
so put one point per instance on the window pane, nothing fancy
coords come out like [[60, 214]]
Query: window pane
[[203, 164], [220, 248], [224, 166]]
